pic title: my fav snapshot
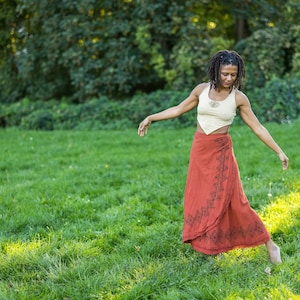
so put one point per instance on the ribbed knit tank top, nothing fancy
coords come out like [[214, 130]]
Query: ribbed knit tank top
[[212, 114]]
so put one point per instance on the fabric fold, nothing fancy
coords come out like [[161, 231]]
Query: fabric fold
[[217, 214]]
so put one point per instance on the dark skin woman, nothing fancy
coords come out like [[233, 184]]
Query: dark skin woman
[[225, 72]]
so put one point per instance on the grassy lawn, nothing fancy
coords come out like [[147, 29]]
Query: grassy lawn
[[98, 215]]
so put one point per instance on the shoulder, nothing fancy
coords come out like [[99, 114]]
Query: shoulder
[[200, 88], [192, 100], [241, 99]]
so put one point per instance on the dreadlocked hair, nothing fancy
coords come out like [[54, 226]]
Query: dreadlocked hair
[[221, 58]]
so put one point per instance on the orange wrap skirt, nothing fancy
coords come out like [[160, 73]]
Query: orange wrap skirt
[[217, 214]]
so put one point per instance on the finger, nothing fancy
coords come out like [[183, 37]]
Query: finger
[[140, 129], [141, 132]]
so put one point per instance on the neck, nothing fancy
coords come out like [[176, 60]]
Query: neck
[[221, 88], [224, 89]]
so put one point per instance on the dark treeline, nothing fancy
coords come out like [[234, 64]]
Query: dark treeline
[[87, 49]]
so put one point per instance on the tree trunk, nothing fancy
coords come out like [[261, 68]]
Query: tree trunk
[[241, 29]]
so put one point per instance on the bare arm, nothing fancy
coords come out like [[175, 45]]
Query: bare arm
[[173, 112], [260, 131]]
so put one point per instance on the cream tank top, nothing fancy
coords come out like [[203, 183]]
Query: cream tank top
[[213, 115]]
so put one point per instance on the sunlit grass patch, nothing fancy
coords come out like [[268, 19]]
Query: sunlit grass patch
[[283, 215], [17, 249]]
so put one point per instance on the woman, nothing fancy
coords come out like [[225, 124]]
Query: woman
[[217, 215]]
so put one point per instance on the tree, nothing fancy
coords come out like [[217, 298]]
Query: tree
[[88, 48], [9, 28]]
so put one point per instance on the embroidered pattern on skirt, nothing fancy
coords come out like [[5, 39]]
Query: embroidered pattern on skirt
[[231, 234], [217, 184]]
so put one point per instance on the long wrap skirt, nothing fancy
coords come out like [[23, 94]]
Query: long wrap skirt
[[217, 214]]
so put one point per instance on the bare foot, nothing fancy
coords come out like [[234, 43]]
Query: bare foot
[[274, 252]]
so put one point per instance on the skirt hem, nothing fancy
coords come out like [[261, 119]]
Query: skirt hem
[[229, 248]]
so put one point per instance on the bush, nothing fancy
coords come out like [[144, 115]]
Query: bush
[[144, 104], [12, 114], [278, 102], [262, 63], [38, 120]]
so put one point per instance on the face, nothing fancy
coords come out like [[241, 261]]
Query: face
[[228, 75]]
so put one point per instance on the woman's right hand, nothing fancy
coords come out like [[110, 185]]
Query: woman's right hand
[[143, 128]]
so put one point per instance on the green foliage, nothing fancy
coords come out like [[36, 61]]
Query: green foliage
[[277, 102], [143, 104], [188, 63], [262, 63], [258, 13], [88, 49], [98, 215], [296, 43], [39, 120], [12, 114], [99, 113], [11, 89]]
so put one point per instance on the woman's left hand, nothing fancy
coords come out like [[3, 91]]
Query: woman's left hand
[[284, 159]]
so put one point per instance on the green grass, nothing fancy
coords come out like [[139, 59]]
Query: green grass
[[98, 215]]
